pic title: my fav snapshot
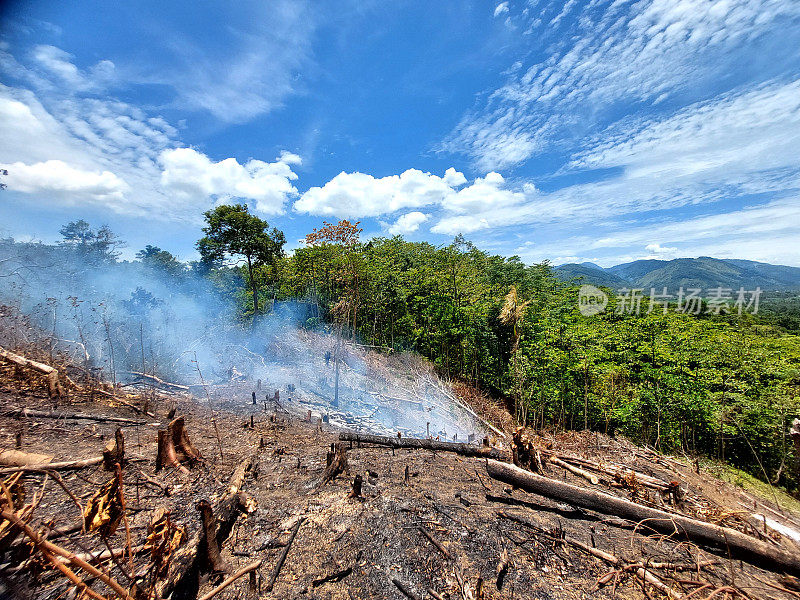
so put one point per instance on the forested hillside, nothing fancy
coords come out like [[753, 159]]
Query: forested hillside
[[703, 272], [724, 385]]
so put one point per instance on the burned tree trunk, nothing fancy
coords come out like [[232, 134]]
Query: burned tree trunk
[[209, 538], [337, 463], [185, 565], [183, 447], [54, 387], [393, 442], [114, 452], [737, 543]]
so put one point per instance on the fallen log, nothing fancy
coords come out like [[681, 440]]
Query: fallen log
[[43, 414], [184, 565], [618, 472], [436, 445], [575, 470], [738, 544], [161, 382], [54, 387], [17, 458], [59, 466]]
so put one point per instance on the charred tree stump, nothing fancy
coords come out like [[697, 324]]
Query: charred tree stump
[[114, 452], [174, 447], [356, 491], [166, 456], [183, 447], [208, 544], [337, 463]]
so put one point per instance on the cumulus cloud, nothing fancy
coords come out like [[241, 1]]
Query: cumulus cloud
[[191, 174], [57, 177], [462, 207], [355, 195], [408, 223]]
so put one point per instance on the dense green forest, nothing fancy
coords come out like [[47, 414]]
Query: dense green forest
[[723, 385]]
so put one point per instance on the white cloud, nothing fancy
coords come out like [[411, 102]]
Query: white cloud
[[500, 9], [70, 144], [57, 177], [408, 223], [355, 195], [659, 251], [191, 174]]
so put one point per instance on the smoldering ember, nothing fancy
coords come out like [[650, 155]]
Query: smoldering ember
[[403, 300]]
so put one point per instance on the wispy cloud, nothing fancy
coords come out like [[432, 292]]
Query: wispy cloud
[[620, 54], [250, 70]]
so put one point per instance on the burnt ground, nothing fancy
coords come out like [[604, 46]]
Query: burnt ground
[[363, 544]]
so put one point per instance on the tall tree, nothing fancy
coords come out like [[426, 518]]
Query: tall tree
[[102, 243], [156, 258], [233, 233]]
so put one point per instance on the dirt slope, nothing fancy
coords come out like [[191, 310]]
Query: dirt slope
[[362, 544]]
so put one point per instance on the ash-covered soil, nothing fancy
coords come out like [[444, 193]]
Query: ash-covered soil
[[494, 542]]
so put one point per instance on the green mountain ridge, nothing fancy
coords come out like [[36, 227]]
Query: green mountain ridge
[[703, 272]]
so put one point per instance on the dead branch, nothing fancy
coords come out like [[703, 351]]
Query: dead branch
[[436, 445], [437, 544], [639, 571], [41, 414], [165, 384], [276, 571], [54, 387], [739, 544], [240, 573], [404, 589], [575, 470], [185, 560], [49, 548]]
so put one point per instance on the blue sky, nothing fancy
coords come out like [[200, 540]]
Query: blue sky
[[581, 130]]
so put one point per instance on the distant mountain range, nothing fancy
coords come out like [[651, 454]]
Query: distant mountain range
[[703, 272]]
